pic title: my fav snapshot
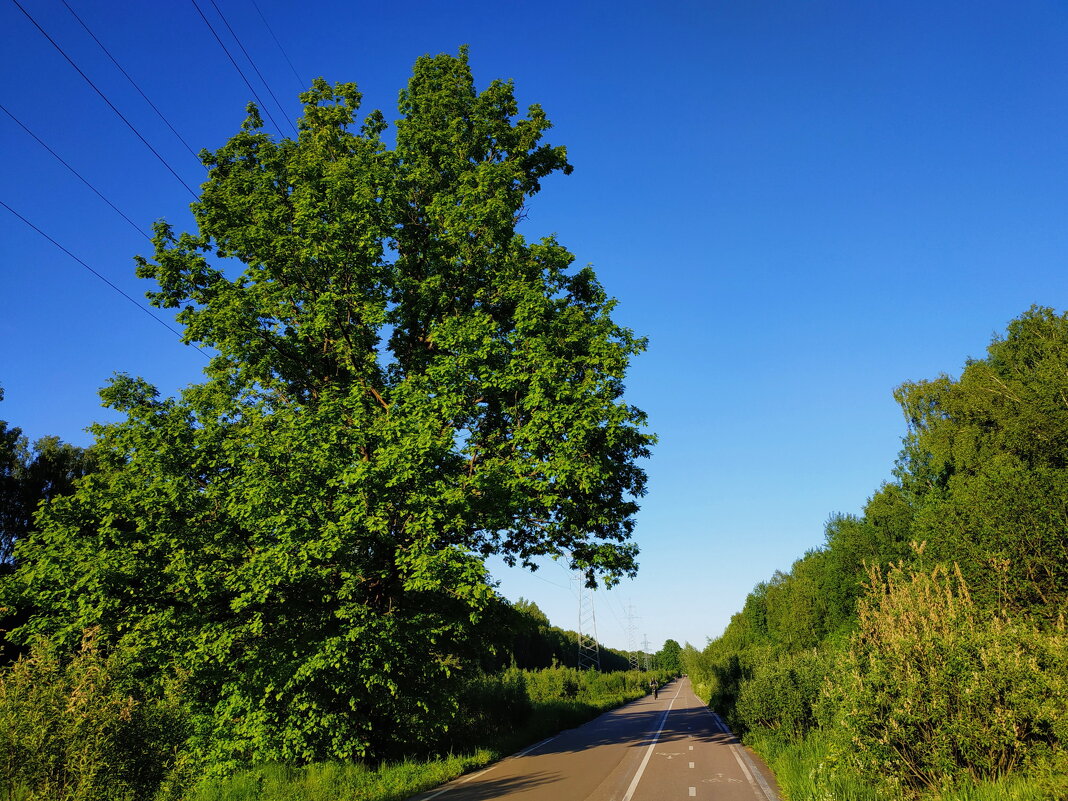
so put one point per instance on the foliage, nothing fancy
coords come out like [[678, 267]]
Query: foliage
[[934, 690], [530, 642], [30, 475], [811, 769], [783, 695], [986, 459], [402, 385], [669, 658], [338, 781], [79, 728]]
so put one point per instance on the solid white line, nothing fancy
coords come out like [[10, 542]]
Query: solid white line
[[756, 778], [649, 751], [745, 769]]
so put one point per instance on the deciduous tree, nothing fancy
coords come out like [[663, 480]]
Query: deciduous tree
[[402, 385]]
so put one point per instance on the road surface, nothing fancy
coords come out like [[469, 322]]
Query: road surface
[[650, 750]]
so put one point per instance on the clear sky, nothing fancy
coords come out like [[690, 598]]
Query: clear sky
[[801, 204]]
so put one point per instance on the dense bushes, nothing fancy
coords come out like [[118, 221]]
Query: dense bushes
[[934, 690], [80, 728]]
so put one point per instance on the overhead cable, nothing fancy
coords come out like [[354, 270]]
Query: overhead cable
[[100, 276], [132, 82], [77, 174], [300, 81], [263, 80], [262, 105], [105, 98]]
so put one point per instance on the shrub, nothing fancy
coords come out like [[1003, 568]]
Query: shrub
[[75, 728], [783, 695], [933, 691], [490, 705]]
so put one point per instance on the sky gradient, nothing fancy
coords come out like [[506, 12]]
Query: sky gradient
[[800, 204]]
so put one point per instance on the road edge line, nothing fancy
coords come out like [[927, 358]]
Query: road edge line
[[451, 785], [756, 778]]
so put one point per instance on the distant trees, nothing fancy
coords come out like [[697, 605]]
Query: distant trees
[[669, 657], [29, 475]]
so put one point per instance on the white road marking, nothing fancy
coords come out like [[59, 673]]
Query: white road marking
[[691, 764], [649, 751], [693, 791], [691, 747]]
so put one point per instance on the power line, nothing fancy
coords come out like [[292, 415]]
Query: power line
[[539, 578], [240, 72], [77, 174], [253, 63], [132, 82], [98, 275], [104, 97], [300, 81]]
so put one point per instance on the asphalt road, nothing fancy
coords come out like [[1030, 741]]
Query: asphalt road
[[670, 748]]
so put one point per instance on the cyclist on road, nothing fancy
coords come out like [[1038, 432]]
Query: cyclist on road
[[655, 688]]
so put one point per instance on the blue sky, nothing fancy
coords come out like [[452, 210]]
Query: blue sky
[[800, 204]]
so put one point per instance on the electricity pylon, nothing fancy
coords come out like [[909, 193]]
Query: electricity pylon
[[645, 651], [589, 654], [632, 637]]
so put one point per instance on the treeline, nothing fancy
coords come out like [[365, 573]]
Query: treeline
[[922, 648]]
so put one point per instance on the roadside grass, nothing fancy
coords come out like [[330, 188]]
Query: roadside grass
[[807, 770], [334, 781]]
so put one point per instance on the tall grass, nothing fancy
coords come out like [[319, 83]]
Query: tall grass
[[334, 781], [809, 769]]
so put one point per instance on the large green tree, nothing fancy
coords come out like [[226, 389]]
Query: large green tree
[[402, 385]]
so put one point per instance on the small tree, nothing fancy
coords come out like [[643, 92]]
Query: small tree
[[403, 384]]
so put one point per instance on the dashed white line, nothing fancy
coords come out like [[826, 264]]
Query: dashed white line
[[693, 791], [649, 750], [691, 764]]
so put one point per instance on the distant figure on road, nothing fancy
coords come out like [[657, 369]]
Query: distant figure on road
[[655, 688]]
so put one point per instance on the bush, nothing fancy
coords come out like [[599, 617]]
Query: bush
[[934, 692], [490, 705], [76, 729], [783, 695]]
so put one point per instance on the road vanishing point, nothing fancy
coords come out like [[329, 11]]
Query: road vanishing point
[[673, 748]]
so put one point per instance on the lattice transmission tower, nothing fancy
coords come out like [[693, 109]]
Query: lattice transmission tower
[[589, 653], [632, 637]]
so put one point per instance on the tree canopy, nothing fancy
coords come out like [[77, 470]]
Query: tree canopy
[[402, 385]]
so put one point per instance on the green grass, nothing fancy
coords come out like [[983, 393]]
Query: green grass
[[806, 771], [335, 781]]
